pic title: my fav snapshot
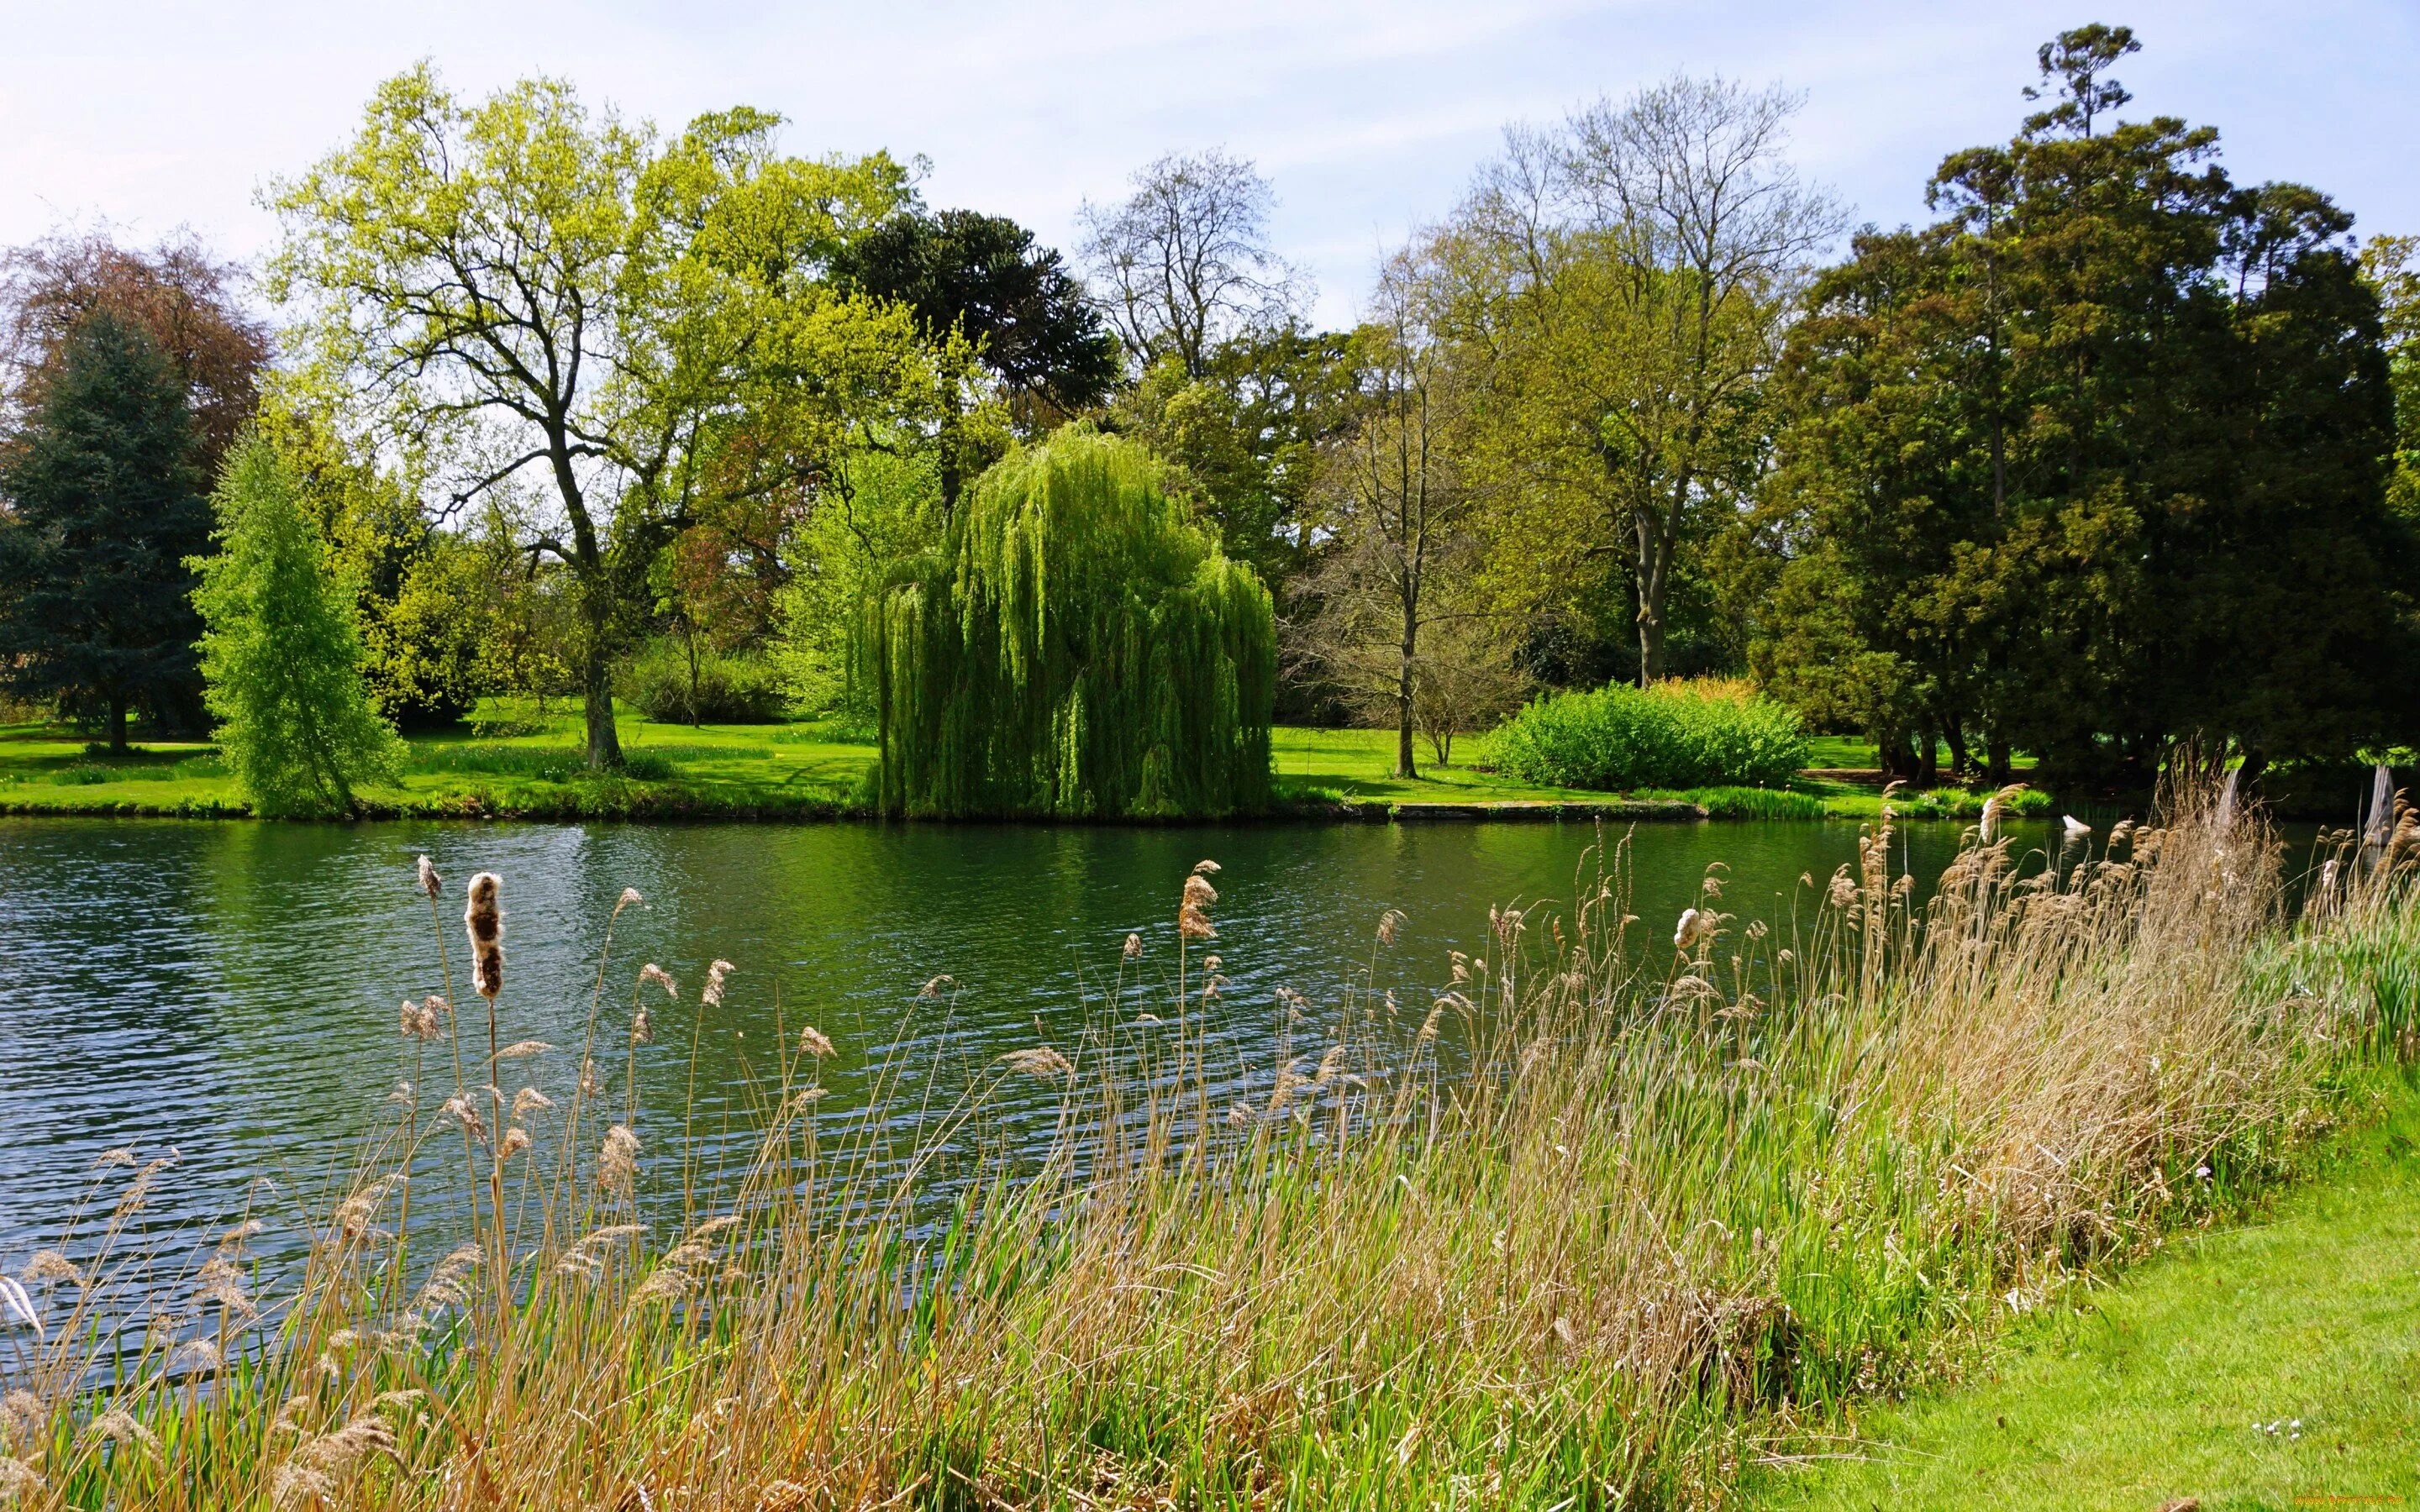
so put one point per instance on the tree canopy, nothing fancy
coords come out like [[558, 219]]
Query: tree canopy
[[1076, 647], [650, 325], [2094, 464]]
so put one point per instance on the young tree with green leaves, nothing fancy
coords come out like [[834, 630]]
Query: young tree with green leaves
[[649, 326], [281, 655], [104, 507]]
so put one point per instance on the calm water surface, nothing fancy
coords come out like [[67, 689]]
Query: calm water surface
[[229, 990]]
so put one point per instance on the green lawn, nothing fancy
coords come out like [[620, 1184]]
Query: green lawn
[[527, 763], [2271, 1366]]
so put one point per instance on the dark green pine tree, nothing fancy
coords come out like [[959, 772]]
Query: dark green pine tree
[[106, 503]]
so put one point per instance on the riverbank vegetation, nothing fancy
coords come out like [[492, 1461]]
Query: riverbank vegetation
[[2111, 460], [1612, 1216], [517, 759]]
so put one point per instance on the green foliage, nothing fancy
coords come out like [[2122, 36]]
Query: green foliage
[[280, 654], [2093, 464], [1664, 736], [675, 680], [105, 506], [885, 510], [521, 284], [1079, 647], [1245, 431], [423, 598]]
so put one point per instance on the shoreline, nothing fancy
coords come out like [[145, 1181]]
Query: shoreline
[[686, 809]]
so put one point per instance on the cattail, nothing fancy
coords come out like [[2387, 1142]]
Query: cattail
[[714, 975], [1039, 1060], [617, 1165], [429, 881], [484, 922], [812, 1041], [652, 972], [1134, 947]]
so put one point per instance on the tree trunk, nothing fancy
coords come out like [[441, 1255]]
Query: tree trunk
[[117, 726], [2000, 761], [1927, 767], [694, 721], [597, 692], [1650, 644]]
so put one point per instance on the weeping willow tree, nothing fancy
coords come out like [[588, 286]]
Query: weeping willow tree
[[1078, 646]]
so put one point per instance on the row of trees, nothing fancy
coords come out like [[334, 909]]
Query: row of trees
[[2114, 456]]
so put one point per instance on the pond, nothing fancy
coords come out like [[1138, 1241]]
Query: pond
[[229, 990]]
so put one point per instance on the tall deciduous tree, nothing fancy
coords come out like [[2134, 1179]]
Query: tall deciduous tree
[[1403, 558], [1183, 262], [1077, 646], [186, 300], [1625, 283], [648, 325], [104, 506], [281, 654]]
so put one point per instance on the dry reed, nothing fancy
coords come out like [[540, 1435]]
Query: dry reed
[[1582, 1229]]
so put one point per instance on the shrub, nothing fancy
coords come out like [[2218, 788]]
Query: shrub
[[663, 685], [1672, 735]]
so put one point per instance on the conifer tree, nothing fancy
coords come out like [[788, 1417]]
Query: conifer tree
[[282, 655], [95, 608]]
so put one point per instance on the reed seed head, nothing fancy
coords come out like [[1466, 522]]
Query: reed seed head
[[642, 1032], [617, 1164], [1040, 1061], [1134, 947], [430, 883], [652, 972], [714, 976], [814, 1042]]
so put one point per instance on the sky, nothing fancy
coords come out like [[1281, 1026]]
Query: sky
[[1367, 116]]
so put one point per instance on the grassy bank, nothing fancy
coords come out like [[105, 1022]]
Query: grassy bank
[[1616, 1214], [529, 766], [2271, 1365]]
